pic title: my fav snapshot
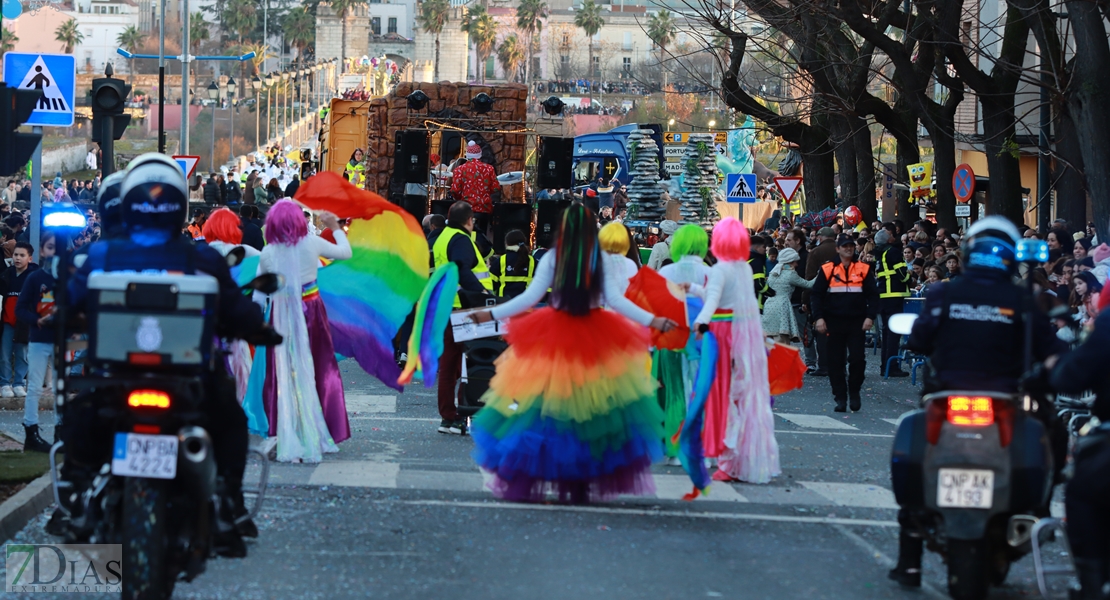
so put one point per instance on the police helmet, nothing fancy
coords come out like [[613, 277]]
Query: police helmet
[[990, 246], [109, 203], [155, 195]]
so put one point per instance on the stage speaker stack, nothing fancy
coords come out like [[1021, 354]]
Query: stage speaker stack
[[554, 170], [441, 207], [507, 217], [549, 213], [410, 158]]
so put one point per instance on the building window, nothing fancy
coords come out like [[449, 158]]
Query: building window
[[965, 33], [564, 59], [376, 25], [627, 41], [566, 39], [392, 27], [628, 64], [596, 66]]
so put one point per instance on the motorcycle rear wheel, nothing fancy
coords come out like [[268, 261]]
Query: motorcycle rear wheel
[[969, 569], [145, 575]]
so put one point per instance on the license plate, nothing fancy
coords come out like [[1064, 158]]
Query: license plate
[[147, 456], [965, 488]]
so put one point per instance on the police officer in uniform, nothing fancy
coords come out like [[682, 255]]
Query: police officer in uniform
[[513, 271], [457, 243], [972, 329], [893, 277], [845, 302], [758, 263], [1088, 493]]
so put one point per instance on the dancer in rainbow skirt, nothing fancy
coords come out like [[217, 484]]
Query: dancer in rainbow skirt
[[572, 410]]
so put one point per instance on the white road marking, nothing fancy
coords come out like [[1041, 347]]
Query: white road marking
[[817, 422], [862, 495], [379, 418], [884, 561], [894, 422], [365, 403], [800, 432], [651, 513], [673, 487], [356, 474]]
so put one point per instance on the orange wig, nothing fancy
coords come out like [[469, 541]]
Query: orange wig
[[223, 226]]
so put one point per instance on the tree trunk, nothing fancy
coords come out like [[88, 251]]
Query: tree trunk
[[944, 165], [1002, 159], [908, 154], [818, 167], [1088, 102], [435, 69], [845, 161], [865, 170], [1067, 172]]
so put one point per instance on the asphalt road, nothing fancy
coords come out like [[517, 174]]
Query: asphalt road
[[401, 512]]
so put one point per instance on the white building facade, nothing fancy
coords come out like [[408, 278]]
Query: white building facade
[[101, 22]]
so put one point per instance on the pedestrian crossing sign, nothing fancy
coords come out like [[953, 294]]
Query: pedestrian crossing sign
[[740, 186], [55, 75]]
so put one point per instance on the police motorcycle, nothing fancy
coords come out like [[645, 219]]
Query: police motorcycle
[[973, 471], [152, 360]]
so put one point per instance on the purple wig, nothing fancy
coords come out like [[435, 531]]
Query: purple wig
[[285, 223]]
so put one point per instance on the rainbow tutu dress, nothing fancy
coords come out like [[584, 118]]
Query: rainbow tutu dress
[[572, 410]]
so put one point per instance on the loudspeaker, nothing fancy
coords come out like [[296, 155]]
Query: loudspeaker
[[506, 217], [554, 169], [480, 358], [440, 207], [416, 206], [549, 213], [410, 156]]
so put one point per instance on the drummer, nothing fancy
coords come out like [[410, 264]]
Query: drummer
[[475, 183]]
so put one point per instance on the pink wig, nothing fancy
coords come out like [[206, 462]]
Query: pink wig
[[223, 226], [285, 223], [731, 241]]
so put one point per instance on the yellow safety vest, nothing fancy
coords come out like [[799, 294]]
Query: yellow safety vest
[[504, 279], [439, 256], [356, 174], [756, 277], [887, 275]]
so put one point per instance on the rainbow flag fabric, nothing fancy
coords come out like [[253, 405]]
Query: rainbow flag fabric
[[369, 296]]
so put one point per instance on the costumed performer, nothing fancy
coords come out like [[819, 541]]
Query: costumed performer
[[572, 408], [614, 240], [221, 231], [739, 425], [303, 392], [688, 248]]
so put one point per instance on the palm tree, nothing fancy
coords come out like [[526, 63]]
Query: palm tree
[[433, 17], [261, 55], [299, 26], [589, 20], [530, 15], [342, 8], [511, 55], [130, 39], [8, 40], [661, 30], [198, 33], [482, 29], [68, 34]]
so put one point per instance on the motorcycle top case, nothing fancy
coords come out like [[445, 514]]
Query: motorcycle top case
[[151, 319], [907, 460]]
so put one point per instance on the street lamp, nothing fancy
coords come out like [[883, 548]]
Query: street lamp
[[230, 91], [256, 85], [213, 95], [269, 81], [712, 123], [284, 106], [670, 123]]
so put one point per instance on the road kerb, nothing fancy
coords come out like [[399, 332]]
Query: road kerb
[[18, 510]]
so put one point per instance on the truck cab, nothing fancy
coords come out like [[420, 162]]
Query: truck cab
[[605, 154]]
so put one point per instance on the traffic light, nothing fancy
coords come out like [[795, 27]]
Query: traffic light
[[108, 98], [16, 148], [109, 122]]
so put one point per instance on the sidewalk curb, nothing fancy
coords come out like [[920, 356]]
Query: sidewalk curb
[[18, 510]]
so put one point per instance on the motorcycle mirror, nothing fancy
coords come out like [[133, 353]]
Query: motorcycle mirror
[[267, 283], [235, 257], [902, 323]]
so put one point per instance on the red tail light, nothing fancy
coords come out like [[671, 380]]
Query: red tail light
[[150, 429], [144, 359], [1004, 418], [148, 399], [971, 411], [935, 413]]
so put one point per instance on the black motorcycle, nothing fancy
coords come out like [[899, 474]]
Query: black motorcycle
[[152, 358]]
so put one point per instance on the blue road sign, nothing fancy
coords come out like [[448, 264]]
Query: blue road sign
[[55, 75], [12, 9], [740, 186], [963, 183]]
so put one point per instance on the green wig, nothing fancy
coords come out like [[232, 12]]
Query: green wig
[[689, 240]]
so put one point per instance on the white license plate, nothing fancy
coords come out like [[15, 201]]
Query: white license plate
[[147, 456], [965, 488]]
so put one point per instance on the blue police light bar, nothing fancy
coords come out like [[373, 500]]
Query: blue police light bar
[[241, 58], [63, 215], [1032, 251]]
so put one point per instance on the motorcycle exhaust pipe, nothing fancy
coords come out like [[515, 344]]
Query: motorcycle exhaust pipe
[[196, 462], [1020, 530]]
